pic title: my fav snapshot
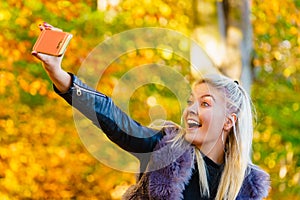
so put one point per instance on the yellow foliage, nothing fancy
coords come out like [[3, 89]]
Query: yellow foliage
[[41, 155]]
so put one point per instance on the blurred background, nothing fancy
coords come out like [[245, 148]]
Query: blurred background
[[256, 42]]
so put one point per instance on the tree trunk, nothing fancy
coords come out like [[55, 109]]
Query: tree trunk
[[224, 31], [246, 47]]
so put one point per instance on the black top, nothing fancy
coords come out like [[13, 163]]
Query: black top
[[213, 171]]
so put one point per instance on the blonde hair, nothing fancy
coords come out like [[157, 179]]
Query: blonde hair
[[238, 145]]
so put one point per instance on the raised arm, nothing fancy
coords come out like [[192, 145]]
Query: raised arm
[[100, 109], [117, 125]]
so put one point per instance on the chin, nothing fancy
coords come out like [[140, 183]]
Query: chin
[[191, 136], [192, 130]]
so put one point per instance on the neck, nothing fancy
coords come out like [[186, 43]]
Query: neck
[[217, 158], [214, 151]]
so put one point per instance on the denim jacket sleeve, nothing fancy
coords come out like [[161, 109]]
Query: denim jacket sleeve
[[118, 126]]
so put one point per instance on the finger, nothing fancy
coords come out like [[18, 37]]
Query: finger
[[37, 55], [46, 25], [41, 27], [34, 53], [50, 27], [40, 56], [56, 29]]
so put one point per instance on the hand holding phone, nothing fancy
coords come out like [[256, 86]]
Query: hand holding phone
[[52, 42], [49, 48]]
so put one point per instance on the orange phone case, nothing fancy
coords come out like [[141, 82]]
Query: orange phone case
[[52, 42]]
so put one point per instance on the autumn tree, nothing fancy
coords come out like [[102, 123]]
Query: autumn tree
[[224, 30], [41, 154]]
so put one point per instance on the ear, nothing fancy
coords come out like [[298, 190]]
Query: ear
[[230, 121]]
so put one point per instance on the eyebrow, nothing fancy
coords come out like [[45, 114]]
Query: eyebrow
[[208, 95]]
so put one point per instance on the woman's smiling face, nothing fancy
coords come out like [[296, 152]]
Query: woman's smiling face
[[204, 117]]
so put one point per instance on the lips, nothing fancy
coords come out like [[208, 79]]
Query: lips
[[193, 123]]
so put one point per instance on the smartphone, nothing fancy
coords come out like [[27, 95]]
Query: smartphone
[[52, 42]]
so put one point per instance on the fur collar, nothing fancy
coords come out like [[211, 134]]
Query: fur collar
[[170, 169], [256, 184]]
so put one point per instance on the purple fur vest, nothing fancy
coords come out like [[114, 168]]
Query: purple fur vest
[[170, 169]]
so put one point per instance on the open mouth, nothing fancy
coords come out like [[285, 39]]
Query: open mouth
[[193, 123]]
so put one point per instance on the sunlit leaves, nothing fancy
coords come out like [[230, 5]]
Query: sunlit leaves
[[277, 133], [276, 61], [41, 155], [170, 14], [277, 25]]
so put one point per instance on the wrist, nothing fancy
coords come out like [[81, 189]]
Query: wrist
[[60, 78], [54, 71]]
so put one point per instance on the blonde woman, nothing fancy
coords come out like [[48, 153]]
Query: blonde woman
[[209, 157]]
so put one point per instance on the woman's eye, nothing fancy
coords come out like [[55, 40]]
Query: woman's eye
[[189, 102], [205, 104]]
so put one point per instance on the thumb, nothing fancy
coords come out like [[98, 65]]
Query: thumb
[[39, 56], [35, 54]]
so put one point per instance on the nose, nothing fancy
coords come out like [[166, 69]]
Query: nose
[[193, 108]]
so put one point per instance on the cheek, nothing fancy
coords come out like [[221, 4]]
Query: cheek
[[213, 122], [184, 113], [184, 116]]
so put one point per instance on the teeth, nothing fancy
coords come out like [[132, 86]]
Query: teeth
[[190, 121], [193, 123]]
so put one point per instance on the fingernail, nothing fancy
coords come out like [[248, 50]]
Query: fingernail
[[46, 24]]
